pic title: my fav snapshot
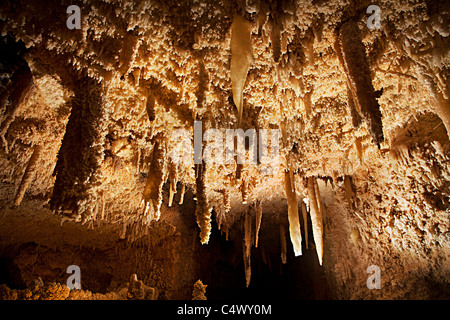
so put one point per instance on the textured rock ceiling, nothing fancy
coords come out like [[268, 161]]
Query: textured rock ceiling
[[363, 117]]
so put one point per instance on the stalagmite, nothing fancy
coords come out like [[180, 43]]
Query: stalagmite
[[247, 247], [357, 69], [283, 243], [241, 58], [202, 211], [28, 175], [199, 291], [258, 221], [316, 218], [155, 180], [305, 222], [294, 223], [172, 191]]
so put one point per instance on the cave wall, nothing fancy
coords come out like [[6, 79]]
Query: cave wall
[[364, 141]]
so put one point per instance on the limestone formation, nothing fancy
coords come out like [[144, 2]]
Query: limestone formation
[[99, 158]]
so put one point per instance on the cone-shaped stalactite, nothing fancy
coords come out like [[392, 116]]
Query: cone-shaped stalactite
[[81, 153], [182, 191], [356, 65], [202, 210], [316, 216], [241, 58], [157, 174], [305, 222], [258, 207]]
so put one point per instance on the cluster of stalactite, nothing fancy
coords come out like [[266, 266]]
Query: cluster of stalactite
[[81, 154], [78, 192], [311, 200]]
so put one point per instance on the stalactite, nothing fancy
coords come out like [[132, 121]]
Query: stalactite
[[23, 87], [283, 243], [244, 191], [357, 68], [307, 101], [226, 232], [318, 198], [316, 218], [130, 46], [182, 191], [275, 39], [29, 174], [78, 168], [157, 174], [349, 191], [258, 207], [202, 211], [226, 198], [356, 117], [173, 178], [294, 223], [305, 222], [359, 149], [241, 58], [172, 191], [247, 247]]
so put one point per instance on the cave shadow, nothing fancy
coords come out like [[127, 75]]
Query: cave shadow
[[220, 265]]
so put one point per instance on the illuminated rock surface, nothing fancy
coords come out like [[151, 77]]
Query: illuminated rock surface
[[88, 126]]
